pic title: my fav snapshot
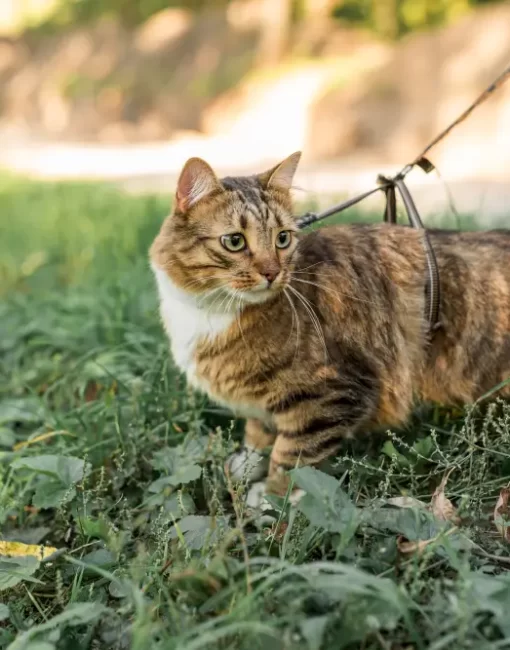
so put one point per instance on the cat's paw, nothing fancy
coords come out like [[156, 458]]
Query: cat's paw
[[247, 465], [256, 501]]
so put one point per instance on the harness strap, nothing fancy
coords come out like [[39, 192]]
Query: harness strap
[[390, 211], [389, 187], [432, 287]]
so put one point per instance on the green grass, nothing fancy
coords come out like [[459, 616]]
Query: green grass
[[106, 455]]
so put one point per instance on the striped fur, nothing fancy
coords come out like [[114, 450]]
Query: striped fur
[[337, 345]]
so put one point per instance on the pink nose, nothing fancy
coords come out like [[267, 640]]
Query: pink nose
[[270, 274]]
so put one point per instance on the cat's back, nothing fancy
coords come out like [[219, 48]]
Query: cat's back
[[369, 247], [367, 255], [478, 249]]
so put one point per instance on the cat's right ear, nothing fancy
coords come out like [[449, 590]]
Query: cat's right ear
[[197, 180]]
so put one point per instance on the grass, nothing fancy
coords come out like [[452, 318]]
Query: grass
[[107, 456]]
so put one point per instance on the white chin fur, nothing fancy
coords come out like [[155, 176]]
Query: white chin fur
[[256, 297]]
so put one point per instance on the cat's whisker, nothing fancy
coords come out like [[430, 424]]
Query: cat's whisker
[[209, 294], [229, 303], [238, 320], [312, 265], [226, 296], [338, 293], [198, 281], [313, 317], [295, 317]]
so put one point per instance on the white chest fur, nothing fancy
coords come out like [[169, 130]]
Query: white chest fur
[[186, 323]]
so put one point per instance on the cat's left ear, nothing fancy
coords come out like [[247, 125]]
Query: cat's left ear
[[197, 180], [281, 176]]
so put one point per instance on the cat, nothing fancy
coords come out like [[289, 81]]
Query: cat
[[318, 337]]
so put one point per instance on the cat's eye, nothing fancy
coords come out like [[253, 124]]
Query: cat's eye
[[283, 239], [233, 243]]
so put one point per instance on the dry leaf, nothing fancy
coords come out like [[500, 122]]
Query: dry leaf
[[39, 438], [417, 547], [441, 506], [411, 548], [502, 514], [17, 549], [406, 502], [279, 531]]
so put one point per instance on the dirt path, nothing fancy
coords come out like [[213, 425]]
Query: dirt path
[[154, 168]]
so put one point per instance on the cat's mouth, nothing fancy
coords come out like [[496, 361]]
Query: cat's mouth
[[260, 293]]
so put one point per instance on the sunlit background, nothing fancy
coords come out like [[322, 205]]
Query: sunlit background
[[126, 90]]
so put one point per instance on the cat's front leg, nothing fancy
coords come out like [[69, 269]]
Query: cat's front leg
[[251, 462], [313, 423]]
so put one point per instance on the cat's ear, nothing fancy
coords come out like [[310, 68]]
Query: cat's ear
[[281, 176], [197, 180]]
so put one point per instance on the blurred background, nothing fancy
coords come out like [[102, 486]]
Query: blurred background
[[126, 90]]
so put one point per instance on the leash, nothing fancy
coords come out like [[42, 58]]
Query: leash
[[390, 186]]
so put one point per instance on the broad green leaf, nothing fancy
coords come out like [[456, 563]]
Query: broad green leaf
[[186, 474], [67, 469], [27, 535], [45, 464], [179, 505], [181, 464], [51, 494], [424, 446], [325, 504], [27, 410], [414, 523], [199, 530], [390, 450], [183, 474], [101, 557], [15, 569], [4, 613], [315, 483], [190, 452], [160, 484], [71, 470], [92, 527], [7, 437]]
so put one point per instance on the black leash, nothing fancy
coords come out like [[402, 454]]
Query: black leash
[[390, 185]]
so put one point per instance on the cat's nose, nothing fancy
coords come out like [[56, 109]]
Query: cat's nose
[[268, 269], [270, 275]]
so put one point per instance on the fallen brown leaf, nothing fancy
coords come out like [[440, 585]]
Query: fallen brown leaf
[[18, 549], [441, 506], [279, 531], [406, 547], [502, 514], [406, 502], [92, 391]]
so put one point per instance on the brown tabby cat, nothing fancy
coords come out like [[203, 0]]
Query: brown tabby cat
[[318, 337]]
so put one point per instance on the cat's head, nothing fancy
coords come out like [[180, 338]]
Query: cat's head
[[229, 237]]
